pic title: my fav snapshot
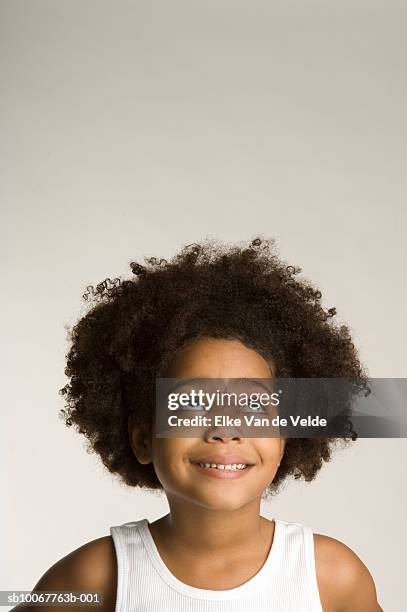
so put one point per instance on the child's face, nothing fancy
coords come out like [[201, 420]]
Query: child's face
[[173, 458]]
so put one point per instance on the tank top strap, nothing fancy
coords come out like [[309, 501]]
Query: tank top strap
[[299, 559], [128, 546]]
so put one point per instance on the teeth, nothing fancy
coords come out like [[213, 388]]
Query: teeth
[[221, 466]]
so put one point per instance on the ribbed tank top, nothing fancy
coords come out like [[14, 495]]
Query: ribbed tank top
[[286, 582]]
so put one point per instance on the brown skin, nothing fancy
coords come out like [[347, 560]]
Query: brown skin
[[197, 539], [214, 536]]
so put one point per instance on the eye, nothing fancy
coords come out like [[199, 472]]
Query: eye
[[250, 408], [190, 406]]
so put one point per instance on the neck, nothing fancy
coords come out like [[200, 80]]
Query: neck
[[207, 530]]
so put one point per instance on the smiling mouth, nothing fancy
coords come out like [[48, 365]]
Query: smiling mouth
[[223, 471], [223, 466]]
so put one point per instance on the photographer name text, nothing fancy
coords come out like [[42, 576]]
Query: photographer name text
[[221, 420]]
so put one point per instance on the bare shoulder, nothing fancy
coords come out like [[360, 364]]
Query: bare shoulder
[[91, 567], [345, 583]]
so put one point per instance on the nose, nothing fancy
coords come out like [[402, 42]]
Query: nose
[[222, 434]]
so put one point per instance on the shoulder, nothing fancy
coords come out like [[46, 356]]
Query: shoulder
[[344, 582], [91, 567]]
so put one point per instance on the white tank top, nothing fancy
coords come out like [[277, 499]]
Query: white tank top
[[285, 583]]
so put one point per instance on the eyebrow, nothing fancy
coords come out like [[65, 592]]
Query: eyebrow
[[257, 381], [184, 381]]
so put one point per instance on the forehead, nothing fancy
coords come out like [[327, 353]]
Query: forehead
[[219, 358]]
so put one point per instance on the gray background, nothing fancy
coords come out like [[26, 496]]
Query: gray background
[[131, 128]]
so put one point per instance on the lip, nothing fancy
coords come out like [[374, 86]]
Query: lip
[[222, 474], [227, 459]]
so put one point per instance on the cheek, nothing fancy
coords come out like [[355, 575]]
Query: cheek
[[270, 450], [168, 459]]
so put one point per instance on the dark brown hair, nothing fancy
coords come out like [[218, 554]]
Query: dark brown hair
[[135, 326]]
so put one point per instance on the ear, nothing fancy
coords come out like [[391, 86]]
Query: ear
[[140, 441], [283, 443]]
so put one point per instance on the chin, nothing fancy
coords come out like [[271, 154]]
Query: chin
[[222, 504]]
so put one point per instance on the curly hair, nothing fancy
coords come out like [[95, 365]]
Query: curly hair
[[135, 326]]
